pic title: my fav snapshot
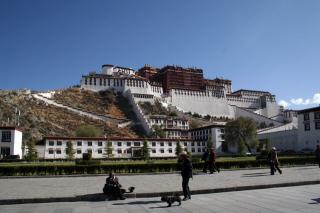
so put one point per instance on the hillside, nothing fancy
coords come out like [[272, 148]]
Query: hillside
[[39, 119]]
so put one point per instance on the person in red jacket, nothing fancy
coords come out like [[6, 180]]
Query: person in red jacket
[[212, 161]]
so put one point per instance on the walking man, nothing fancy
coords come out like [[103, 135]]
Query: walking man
[[186, 173], [273, 161], [205, 158], [212, 161], [317, 152]]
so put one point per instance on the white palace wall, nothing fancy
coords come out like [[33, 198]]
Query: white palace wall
[[199, 102]]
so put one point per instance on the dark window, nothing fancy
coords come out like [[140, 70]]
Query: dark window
[[79, 143], [129, 151], [100, 143], [99, 151], [89, 143], [185, 144], [222, 136], [306, 116], [224, 147], [317, 125], [89, 151], [119, 144], [161, 144], [50, 151], [203, 143], [6, 136], [154, 151], [119, 151], [198, 144], [136, 144], [59, 143], [58, 151], [128, 143], [317, 115], [153, 143], [192, 144], [51, 143], [161, 150], [307, 127], [170, 143], [199, 149], [170, 150], [79, 151], [193, 150]]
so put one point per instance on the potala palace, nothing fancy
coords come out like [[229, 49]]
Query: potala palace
[[187, 91]]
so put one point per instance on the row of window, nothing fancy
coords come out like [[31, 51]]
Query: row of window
[[102, 82], [306, 116], [307, 126], [99, 143], [120, 151]]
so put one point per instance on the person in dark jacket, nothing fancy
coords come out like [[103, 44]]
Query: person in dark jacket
[[317, 152], [112, 188], [273, 161], [186, 173], [205, 158], [212, 161]]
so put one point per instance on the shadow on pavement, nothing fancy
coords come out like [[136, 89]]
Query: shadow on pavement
[[258, 174], [316, 201], [138, 202]]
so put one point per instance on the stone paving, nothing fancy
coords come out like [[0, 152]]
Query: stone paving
[[55, 187], [298, 199]]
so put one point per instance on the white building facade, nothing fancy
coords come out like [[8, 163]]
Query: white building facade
[[11, 142], [55, 147]]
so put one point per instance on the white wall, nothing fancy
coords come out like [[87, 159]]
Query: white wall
[[307, 139], [15, 144]]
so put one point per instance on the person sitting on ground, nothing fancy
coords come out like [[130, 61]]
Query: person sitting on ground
[[112, 188]]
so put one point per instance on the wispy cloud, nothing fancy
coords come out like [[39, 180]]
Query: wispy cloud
[[300, 101]]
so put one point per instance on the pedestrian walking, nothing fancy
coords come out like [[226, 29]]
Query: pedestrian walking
[[273, 161], [317, 152], [212, 161], [186, 173], [205, 158]]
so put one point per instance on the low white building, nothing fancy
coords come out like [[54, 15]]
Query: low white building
[[216, 134], [55, 147], [11, 141], [308, 128]]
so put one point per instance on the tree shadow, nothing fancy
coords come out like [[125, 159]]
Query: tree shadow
[[316, 201]]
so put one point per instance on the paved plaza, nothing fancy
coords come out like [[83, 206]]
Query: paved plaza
[[298, 199], [149, 185]]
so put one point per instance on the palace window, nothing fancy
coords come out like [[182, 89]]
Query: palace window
[[193, 150], [307, 127], [79, 143], [161, 150], [170, 150], [58, 151], [119, 151], [192, 144], [136, 143], [185, 144], [59, 143], [317, 115], [199, 149], [170, 143], [100, 143], [119, 144], [198, 143], [51, 143], [128, 143], [317, 125], [161, 144], [89, 151], [154, 151], [79, 151], [153, 143], [306, 117], [99, 151], [89, 143], [6, 136], [51, 151]]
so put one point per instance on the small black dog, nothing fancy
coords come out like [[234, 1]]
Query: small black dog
[[171, 199]]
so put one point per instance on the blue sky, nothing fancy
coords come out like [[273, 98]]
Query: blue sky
[[270, 45]]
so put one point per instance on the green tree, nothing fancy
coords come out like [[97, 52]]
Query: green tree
[[158, 132], [88, 131], [241, 131], [108, 149], [31, 151], [70, 150], [178, 149], [145, 150], [209, 142]]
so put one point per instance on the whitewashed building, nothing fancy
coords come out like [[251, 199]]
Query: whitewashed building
[[308, 128], [55, 147], [11, 141]]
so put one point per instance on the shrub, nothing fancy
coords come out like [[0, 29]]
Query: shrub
[[88, 131]]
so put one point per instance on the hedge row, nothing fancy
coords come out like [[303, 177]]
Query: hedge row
[[28, 170]]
